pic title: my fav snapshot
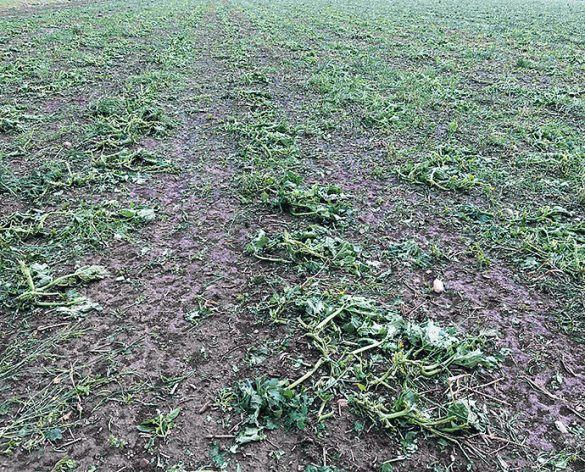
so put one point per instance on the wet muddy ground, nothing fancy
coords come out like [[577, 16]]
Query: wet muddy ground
[[180, 319]]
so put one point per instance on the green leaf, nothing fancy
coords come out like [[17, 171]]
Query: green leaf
[[250, 434], [53, 434]]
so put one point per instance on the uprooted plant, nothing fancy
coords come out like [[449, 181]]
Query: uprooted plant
[[93, 223], [123, 120], [551, 238], [446, 169], [159, 426], [47, 291], [139, 160], [380, 363], [267, 404], [405, 411], [313, 248], [325, 203]]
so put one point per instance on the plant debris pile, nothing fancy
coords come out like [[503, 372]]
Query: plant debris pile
[[374, 360], [313, 249], [325, 203]]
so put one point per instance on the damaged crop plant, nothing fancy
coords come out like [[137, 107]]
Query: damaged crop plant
[[280, 235], [370, 358], [314, 248]]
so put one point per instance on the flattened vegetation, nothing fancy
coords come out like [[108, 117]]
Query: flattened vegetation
[[283, 235]]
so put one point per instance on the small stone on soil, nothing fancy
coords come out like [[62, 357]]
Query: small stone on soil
[[438, 286], [561, 427]]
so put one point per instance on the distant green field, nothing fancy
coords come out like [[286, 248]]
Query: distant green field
[[14, 4], [285, 235]]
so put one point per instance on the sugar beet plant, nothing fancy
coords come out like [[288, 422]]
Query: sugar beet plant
[[29, 242], [267, 404], [447, 169], [380, 363], [313, 248], [325, 203], [551, 238], [374, 353], [47, 291], [122, 121]]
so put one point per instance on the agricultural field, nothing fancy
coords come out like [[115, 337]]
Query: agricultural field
[[291, 235]]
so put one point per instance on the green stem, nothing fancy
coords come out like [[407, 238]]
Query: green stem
[[365, 348], [271, 259], [26, 272], [323, 323], [307, 375]]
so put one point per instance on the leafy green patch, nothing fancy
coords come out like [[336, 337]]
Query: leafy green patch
[[410, 252], [382, 114], [12, 118], [556, 461], [553, 237], [93, 224], [8, 181], [382, 362], [266, 141], [314, 248], [446, 169], [325, 203], [404, 411], [567, 164], [267, 404], [158, 427], [201, 310], [339, 86], [122, 121], [45, 290], [116, 442], [55, 175], [424, 347], [65, 464], [217, 457]]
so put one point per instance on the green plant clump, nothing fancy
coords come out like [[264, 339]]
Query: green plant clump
[[313, 248], [267, 404], [381, 362], [325, 203], [446, 169]]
